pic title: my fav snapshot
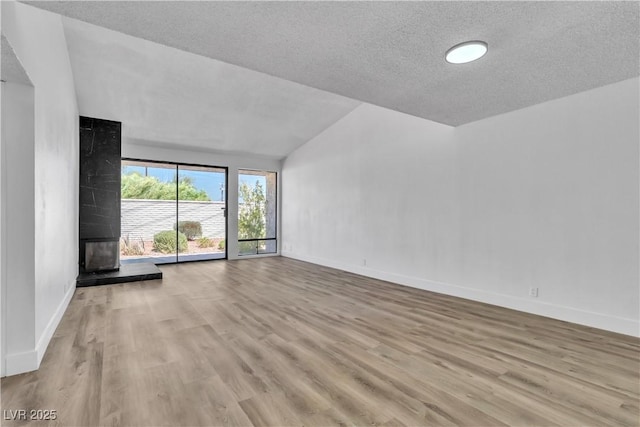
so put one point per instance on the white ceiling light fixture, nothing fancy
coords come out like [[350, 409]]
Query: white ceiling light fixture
[[466, 52]]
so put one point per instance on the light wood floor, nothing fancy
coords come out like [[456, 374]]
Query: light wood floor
[[279, 342]]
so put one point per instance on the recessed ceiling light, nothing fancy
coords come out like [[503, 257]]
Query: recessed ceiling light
[[466, 52]]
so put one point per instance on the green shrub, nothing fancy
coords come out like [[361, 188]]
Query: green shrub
[[191, 229], [165, 242], [205, 242], [209, 242]]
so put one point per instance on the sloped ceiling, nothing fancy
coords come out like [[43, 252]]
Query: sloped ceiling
[[391, 53], [263, 78], [166, 96]]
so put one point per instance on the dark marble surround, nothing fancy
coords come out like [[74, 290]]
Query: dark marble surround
[[100, 155]]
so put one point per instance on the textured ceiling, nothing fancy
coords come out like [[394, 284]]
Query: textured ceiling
[[391, 53], [11, 67], [165, 96]]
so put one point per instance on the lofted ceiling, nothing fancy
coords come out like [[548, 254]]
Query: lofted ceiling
[[165, 96], [11, 68], [386, 53]]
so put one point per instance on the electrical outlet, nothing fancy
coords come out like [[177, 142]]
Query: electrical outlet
[[533, 292]]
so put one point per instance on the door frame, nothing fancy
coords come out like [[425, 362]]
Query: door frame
[[226, 203]]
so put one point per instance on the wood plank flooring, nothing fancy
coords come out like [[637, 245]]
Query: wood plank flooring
[[279, 342]]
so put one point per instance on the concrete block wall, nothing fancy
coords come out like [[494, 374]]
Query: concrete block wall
[[141, 219]]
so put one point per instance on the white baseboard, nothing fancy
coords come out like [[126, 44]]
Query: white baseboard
[[237, 257], [18, 363], [569, 314], [47, 334]]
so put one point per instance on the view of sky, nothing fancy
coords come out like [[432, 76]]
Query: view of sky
[[211, 182]]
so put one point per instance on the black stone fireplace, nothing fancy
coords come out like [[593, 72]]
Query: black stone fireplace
[[99, 195], [99, 245]]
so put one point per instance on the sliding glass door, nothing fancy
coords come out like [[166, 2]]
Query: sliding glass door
[[172, 212], [202, 221], [148, 209]]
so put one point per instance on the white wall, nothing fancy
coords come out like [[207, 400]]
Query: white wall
[[232, 162], [3, 290], [37, 38], [18, 239], [542, 197], [3, 298]]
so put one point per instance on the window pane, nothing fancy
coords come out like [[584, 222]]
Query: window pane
[[247, 248], [201, 212], [148, 212], [257, 211]]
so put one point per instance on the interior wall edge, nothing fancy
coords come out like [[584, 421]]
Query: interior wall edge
[[37, 39], [564, 313]]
